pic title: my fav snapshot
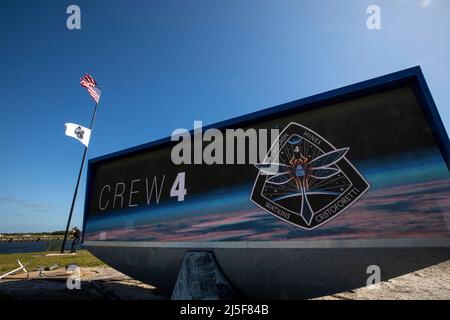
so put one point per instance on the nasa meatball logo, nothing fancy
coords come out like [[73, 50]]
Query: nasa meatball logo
[[309, 182]]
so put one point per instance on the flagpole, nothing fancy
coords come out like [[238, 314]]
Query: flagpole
[[78, 182]]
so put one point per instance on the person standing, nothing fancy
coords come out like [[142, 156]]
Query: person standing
[[76, 233]]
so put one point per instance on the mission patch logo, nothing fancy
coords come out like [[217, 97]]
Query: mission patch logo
[[313, 181]]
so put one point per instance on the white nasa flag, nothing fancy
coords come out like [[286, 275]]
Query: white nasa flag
[[78, 132]]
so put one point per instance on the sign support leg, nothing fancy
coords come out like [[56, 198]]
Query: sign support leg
[[201, 278]]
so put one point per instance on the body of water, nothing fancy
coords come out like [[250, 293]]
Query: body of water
[[33, 246]]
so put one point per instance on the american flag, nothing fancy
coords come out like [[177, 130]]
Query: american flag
[[89, 83]]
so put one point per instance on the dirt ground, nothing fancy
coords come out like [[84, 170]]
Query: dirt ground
[[432, 283], [106, 283]]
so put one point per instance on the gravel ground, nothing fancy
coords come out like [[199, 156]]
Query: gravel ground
[[425, 284], [106, 283]]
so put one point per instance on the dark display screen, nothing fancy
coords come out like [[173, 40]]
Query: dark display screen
[[362, 168]]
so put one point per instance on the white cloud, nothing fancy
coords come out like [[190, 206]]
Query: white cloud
[[425, 3]]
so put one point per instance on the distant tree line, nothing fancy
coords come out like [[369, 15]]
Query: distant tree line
[[54, 233]]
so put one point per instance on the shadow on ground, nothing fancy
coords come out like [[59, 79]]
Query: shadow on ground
[[46, 289]]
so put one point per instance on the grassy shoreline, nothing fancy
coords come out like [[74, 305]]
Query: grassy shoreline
[[36, 260], [55, 235]]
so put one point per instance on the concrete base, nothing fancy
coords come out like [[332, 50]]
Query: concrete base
[[200, 278]]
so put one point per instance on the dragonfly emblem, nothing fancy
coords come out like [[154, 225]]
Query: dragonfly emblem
[[306, 178]]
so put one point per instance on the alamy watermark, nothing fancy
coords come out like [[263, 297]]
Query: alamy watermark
[[73, 21], [375, 276], [74, 280], [373, 22], [230, 146]]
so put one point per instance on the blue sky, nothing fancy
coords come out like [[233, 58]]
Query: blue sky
[[163, 64]]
